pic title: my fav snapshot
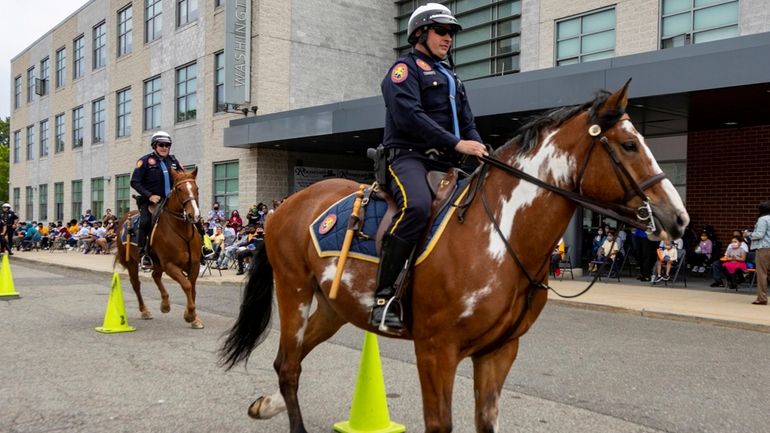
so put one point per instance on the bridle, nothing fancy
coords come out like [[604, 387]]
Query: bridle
[[641, 217], [183, 215]]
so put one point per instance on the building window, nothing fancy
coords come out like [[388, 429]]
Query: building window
[[59, 133], [42, 198], [123, 123], [186, 83], [45, 76], [490, 43], [100, 46], [685, 22], [29, 202], [153, 24], [44, 138], [16, 145], [226, 185], [186, 12], [125, 30], [30, 143], [217, 3], [152, 103], [78, 57], [77, 199], [58, 198], [77, 127], [30, 83], [16, 198], [97, 196], [17, 92], [61, 61], [585, 38], [219, 82], [122, 194], [97, 121]]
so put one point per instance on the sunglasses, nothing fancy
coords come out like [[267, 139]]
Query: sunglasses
[[163, 144], [443, 31]]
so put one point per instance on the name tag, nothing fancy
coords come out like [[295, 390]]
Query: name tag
[[429, 72]]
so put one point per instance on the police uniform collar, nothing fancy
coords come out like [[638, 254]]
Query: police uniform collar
[[428, 58]]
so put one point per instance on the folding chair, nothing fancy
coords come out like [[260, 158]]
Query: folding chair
[[565, 265], [677, 268], [208, 260]]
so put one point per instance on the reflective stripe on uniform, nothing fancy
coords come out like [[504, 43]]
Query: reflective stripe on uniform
[[403, 194]]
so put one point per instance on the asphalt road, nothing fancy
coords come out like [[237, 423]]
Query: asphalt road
[[578, 371]]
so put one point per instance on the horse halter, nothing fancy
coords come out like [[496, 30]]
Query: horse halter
[[644, 215], [183, 215]]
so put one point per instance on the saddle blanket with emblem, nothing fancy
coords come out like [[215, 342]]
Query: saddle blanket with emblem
[[124, 230], [328, 230]]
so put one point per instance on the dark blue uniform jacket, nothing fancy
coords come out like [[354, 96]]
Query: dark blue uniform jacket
[[419, 114], [147, 178]]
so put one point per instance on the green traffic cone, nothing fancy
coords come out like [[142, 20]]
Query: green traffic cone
[[6, 280], [115, 317]]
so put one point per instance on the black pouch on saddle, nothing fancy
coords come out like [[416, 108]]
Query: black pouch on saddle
[[380, 158]]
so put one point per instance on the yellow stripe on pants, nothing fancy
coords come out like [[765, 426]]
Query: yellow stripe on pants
[[403, 194]]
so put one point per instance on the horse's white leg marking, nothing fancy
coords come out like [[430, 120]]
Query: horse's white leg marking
[[304, 312], [550, 164], [272, 406], [472, 300]]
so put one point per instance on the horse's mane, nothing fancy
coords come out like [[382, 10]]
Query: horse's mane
[[529, 133]]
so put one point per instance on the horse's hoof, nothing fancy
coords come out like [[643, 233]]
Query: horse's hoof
[[165, 307], [189, 317], [197, 324], [254, 408], [146, 315]]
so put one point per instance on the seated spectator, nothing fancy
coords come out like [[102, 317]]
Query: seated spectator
[[235, 220], [252, 217], [108, 216], [703, 253], [607, 251], [667, 255], [733, 265], [83, 238], [557, 255], [597, 242], [32, 237], [218, 239], [247, 252], [100, 238], [241, 242], [229, 234], [45, 238]]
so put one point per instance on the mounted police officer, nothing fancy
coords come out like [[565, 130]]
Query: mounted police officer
[[428, 126], [9, 218], [152, 180]]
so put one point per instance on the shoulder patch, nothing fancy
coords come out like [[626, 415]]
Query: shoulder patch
[[151, 161], [138, 163], [399, 73], [423, 65]]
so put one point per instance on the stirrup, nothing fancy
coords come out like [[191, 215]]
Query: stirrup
[[385, 328], [146, 262]]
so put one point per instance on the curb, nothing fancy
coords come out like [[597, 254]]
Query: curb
[[665, 315]]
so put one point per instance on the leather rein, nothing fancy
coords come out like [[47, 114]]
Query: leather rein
[[183, 215]]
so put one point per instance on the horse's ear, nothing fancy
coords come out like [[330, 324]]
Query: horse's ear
[[194, 172], [618, 100]]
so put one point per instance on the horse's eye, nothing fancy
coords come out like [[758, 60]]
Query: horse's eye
[[629, 146]]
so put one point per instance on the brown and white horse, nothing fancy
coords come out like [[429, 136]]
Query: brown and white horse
[[175, 247], [470, 297]]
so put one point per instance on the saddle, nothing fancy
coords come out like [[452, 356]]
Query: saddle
[[442, 185]]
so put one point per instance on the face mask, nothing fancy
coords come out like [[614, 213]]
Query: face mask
[[216, 207], [261, 212], [610, 238], [601, 232], [735, 245], [703, 238]]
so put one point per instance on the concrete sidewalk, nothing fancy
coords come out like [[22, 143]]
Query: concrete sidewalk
[[697, 303]]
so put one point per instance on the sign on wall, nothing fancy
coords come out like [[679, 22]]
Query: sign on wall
[[237, 51], [306, 176]]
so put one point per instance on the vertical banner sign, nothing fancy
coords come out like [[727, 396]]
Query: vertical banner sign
[[237, 51]]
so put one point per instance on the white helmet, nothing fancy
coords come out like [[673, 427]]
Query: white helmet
[[431, 13], [160, 137], [6, 205]]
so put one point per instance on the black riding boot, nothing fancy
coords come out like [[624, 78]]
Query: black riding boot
[[141, 241], [395, 254]]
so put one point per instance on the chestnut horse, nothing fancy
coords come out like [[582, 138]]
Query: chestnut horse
[[483, 285], [175, 247]]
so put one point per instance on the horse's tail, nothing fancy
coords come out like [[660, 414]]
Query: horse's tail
[[251, 327]]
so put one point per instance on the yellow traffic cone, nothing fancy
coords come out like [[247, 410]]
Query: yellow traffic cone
[[369, 411], [115, 317], [6, 280]]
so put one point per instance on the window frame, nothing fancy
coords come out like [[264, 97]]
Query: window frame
[[77, 127], [59, 132], [78, 57], [16, 146], [44, 132], [191, 12], [76, 193], [98, 121], [97, 196], [219, 83], [190, 97], [30, 142], [42, 200], [581, 34], [61, 66], [29, 204], [688, 37], [99, 46], [45, 74], [17, 92], [224, 197], [125, 30], [30, 84], [58, 197], [122, 193], [155, 108], [123, 112], [155, 20]]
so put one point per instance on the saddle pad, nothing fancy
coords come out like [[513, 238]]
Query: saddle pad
[[328, 230], [124, 230]]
